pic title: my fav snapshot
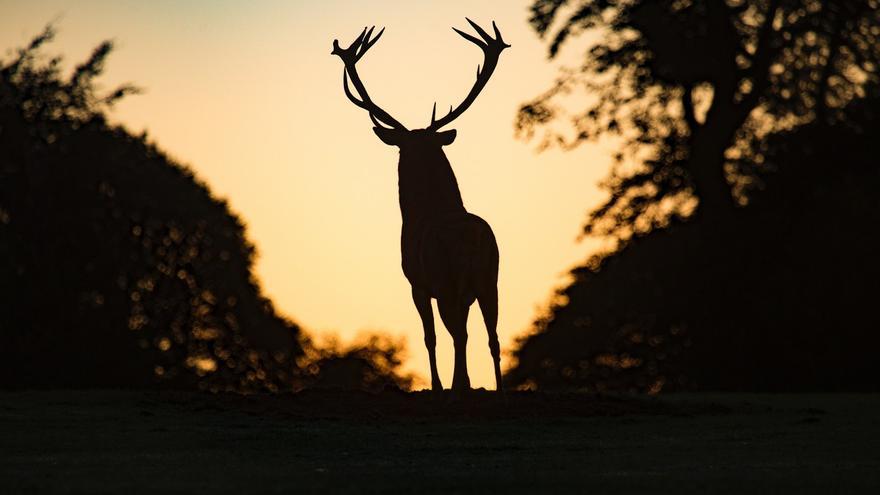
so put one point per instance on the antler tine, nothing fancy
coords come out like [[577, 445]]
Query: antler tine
[[364, 44], [365, 38], [355, 45], [434, 113], [369, 43], [483, 34], [360, 38], [472, 39], [498, 35]]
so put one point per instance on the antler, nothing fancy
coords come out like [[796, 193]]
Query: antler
[[492, 48], [349, 57]]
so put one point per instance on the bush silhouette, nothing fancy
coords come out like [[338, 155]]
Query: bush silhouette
[[118, 267], [372, 363]]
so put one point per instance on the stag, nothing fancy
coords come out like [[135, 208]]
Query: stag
[[448, 254]]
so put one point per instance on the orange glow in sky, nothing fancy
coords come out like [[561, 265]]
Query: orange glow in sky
[[248, 95]]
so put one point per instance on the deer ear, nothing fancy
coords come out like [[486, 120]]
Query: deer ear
[[446, 137], [391, 137]]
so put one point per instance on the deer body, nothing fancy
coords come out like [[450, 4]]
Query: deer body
[[447, 253], [430, 206]]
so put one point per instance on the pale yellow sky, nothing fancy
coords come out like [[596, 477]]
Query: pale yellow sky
[[248, 95]]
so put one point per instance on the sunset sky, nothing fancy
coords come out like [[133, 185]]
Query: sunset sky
[[248, 95]]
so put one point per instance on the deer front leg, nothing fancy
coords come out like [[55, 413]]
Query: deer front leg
[[423, 305], [454, 315]]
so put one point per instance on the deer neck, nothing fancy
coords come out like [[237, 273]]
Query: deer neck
[[427, 188]]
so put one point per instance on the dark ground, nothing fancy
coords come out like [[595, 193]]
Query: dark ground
[[160, 442]]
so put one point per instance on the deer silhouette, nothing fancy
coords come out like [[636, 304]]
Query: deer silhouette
[[447, 253]]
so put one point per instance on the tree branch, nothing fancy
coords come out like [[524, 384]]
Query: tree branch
[[761, 63]]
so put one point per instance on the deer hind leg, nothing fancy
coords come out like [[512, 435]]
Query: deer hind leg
[[454, 313], [489, 307], [423, 305]]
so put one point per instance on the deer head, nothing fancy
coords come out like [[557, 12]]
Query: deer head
[[391, 131]]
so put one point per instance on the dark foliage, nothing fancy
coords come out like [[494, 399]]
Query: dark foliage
[[117, 266], [693, 87], [778, 298], [767, 103], [370, 364]]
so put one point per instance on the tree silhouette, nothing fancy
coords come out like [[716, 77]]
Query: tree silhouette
[[118, 267], [779, 298], [693, 88], [770, 103]]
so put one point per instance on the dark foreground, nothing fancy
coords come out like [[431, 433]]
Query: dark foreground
[[150, 442]]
